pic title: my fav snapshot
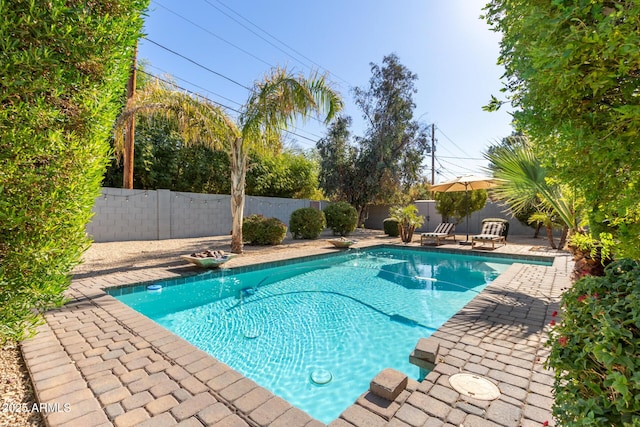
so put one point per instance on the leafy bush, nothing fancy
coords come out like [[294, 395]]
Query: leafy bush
[[390, 227], [342, 218], [595, 350], [259, 230], [591, 256], [307, 223], [65, 68]]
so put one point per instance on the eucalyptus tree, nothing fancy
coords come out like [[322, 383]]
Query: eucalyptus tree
[[393, 143], [274, 104], [385, 162], [340, 176]]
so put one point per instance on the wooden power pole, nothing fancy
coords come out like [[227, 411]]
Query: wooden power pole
[[131, 127], [433, 154]]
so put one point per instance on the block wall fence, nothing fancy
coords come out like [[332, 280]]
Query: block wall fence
[[427, 208], [121, 215]]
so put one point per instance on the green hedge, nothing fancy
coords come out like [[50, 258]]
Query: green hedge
[[258, 230], [307, 223], [64, 68], [390, 227], [595, 349], [342, 218]]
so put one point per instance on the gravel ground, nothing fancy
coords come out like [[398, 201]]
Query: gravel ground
[[16, 392]]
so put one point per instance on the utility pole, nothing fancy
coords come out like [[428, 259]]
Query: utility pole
[[433, 154], [131, 127]]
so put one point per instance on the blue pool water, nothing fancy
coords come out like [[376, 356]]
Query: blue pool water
[[343, 317]]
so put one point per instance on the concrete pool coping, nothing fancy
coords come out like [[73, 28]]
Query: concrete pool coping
[[112, 366]]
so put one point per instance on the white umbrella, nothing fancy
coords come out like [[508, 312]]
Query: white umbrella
[[466, 183]]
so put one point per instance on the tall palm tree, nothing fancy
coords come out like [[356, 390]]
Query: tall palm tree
[[274, 104], [525, 185]]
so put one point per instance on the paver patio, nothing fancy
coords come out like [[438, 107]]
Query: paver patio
[[97, 362]]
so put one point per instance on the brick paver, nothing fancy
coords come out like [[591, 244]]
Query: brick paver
[[113, 366]]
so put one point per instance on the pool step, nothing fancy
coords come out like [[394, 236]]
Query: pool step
[[424, 355], [388, 384]]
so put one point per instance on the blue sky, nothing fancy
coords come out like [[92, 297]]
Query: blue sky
[[452, 51]]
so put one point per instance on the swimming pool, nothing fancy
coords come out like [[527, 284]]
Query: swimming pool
[[316, 332]]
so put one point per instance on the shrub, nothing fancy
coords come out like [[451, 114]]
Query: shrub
[[408, 220], [342, 218], [390, 227], [591, 256], [65, 66], [595, 349], [307, 223], [258, 230]]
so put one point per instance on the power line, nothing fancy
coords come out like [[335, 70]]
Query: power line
[[198, 64], [462, 158], [451, 141], [213, 34], [216, 94], [212, 71], [457, 166], [193, 84], [447, 149], [273, 37], [190, 92]]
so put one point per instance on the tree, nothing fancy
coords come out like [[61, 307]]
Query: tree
[[285, 174], [273, 104], [162, 160], [408, 220], [454, 204], [573, 72], [526, 185], [64, 68], [387, 159], [522, 215], [341, 177]]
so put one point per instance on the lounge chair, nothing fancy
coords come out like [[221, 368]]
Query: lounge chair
[[491, 232], [443, 231]]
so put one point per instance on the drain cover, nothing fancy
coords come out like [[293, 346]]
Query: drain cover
[[251, 334], [474, 386], [321, 376]]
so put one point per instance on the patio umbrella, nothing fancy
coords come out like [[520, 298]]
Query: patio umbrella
[[466, 183]]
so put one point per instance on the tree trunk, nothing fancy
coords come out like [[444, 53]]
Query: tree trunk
[[537, 232], [550, 236], [563, 237], [362, 211], [406, 232], [238, 173]]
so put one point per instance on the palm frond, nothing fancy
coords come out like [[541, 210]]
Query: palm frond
[[199, 121], [526, 185], [280, 99]]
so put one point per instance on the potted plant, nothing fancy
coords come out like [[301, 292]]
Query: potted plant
[[408, 220]]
